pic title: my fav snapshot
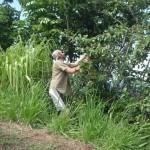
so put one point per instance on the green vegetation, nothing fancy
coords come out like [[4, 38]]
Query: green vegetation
[[90, 124], [94, 120], [115, 36]]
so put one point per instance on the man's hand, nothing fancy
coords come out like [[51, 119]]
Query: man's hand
[[72, 70], [77, 68], [83, 57]]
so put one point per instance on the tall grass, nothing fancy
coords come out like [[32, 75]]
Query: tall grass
[[21, 68], [31, 108], [20, 64], [89, 123]]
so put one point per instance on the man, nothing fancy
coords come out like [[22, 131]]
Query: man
[[60, 83]]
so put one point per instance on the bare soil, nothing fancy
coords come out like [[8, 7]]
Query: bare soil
[[19, 137]]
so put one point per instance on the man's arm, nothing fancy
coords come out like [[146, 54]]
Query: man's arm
[[72, 70]]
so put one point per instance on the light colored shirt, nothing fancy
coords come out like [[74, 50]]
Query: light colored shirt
[[60, 79]]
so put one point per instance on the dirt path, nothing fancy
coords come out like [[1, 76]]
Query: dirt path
[[19, 137]]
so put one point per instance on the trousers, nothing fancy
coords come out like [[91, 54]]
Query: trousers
[[57, 100]]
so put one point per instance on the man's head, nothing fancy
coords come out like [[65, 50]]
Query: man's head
[[58, 54]]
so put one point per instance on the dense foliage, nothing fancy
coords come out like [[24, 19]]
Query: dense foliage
[[8, 15], [115, 36]]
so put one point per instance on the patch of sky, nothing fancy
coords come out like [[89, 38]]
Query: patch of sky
[[15, 4]]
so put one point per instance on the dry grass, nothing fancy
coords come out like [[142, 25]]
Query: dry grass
[[20, 137]]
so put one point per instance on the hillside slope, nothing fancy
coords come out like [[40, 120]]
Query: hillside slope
[[19, 137]]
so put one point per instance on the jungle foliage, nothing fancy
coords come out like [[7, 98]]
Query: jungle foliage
[[116, 37]]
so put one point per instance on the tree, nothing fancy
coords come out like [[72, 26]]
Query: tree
[[121, 40], [115, 33], [7, 16]]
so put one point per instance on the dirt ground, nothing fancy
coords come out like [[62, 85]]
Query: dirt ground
[[19, 137]]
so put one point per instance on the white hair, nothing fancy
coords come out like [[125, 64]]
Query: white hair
[[55, 54]]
